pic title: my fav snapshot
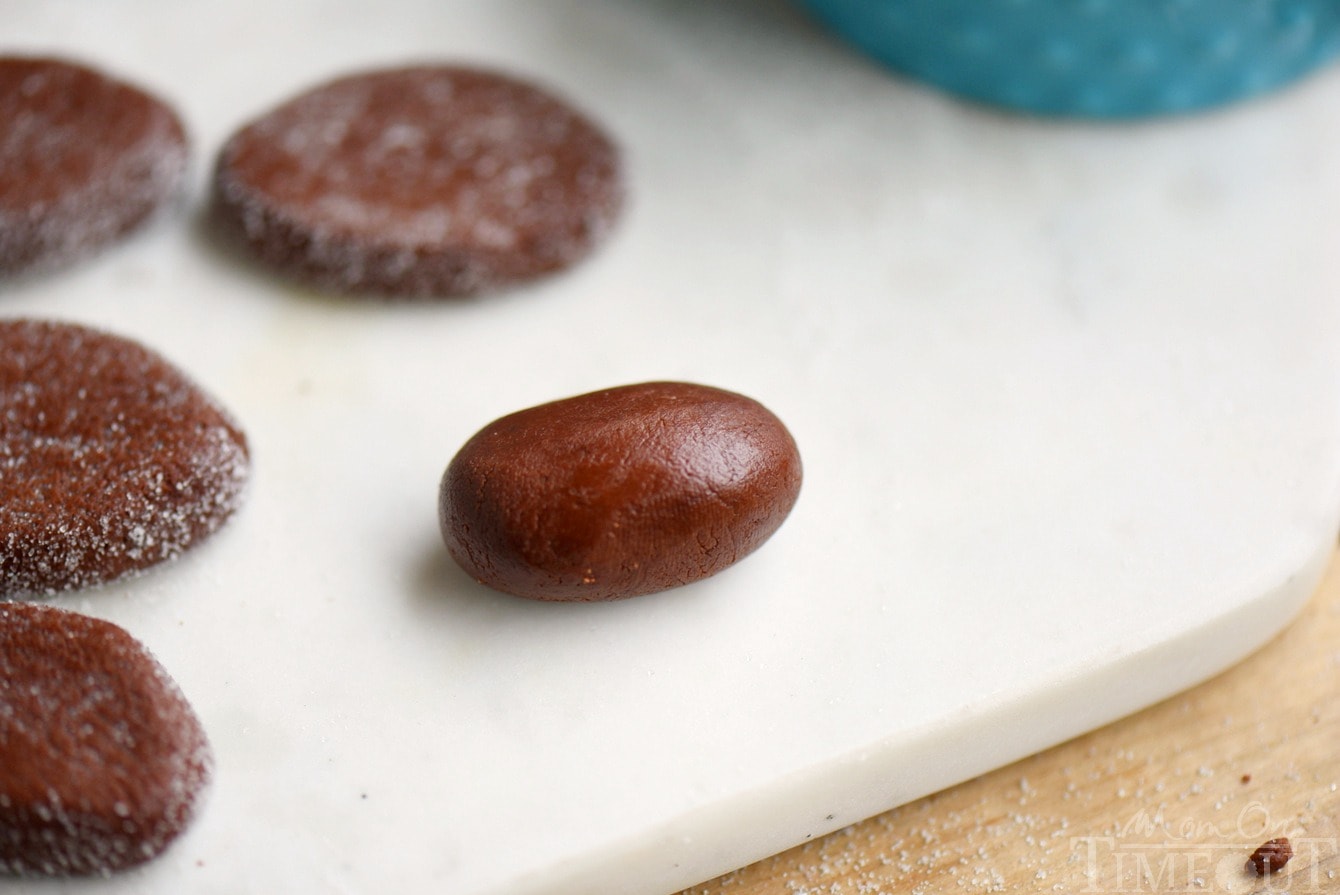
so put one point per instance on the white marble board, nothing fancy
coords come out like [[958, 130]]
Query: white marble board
[[1068, 398]]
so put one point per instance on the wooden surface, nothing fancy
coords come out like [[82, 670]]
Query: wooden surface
[[1173, 799]]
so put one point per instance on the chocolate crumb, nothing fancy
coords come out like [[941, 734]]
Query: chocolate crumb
[[1246, 778], [1270, 857]]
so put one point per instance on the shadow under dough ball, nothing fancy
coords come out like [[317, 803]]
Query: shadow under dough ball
[[418, 182]]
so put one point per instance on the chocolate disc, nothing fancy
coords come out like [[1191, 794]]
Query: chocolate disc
[[83, 159], [111, 460], [101, 758], [428, 181]]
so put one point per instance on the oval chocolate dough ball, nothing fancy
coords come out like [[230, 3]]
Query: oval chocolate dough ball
[[102, 760], [618, 493]]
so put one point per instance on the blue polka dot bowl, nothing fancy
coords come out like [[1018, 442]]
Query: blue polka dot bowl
[[1095, 58]]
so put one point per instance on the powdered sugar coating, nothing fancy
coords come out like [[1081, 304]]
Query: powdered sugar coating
[[102, 760], [83, 159], [111, 460], [422, 181]]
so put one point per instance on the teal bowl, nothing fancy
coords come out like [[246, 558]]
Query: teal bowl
[[1094, 58]]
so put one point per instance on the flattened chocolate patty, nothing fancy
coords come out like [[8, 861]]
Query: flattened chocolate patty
[[101, 758], [83, 160], [428, 181], [111, 460]]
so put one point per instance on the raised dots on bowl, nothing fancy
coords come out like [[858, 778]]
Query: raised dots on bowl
[[1140, 56], [975, 39], [1059, 55], [1094, 58], [1216, 46], [1297, 25], [1176, 97]]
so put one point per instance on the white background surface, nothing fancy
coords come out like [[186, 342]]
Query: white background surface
[[1068, 398]]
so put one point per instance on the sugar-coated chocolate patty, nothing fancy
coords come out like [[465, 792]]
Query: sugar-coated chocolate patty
[[84, 158], [424, 181], [111, 460], [102, 759]]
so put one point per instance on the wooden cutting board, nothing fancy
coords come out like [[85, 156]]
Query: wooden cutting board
[[1067, 396], [1173, 799]]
